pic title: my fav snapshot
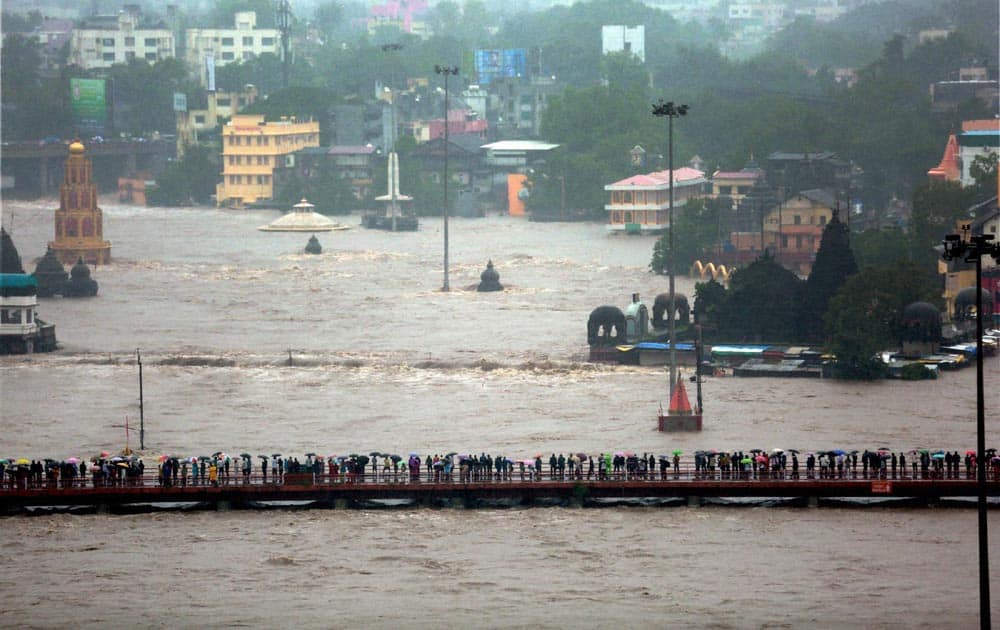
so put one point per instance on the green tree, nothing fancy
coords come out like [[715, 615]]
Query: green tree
[[834, 264], [188, 180], [696, 233], [881, 247], [709, 298], [864, 318], [224, 12], [762, 303], [938, 208]]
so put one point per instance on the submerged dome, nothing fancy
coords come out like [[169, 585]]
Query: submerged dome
[[302, 218]]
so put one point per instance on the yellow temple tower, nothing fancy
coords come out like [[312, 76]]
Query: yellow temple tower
[[79, 222]]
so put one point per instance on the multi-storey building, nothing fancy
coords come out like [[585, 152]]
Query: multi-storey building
[[252, 148], [102, 45], [641, 203], [193, 124], [224, 45]]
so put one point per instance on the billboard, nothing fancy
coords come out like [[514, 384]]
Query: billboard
[[89, 104], [495, 64]]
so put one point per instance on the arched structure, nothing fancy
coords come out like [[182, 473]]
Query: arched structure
[[606, 326], [661, 306], [710, 271]]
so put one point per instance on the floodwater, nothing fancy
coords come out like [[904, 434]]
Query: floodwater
[[248, 344]]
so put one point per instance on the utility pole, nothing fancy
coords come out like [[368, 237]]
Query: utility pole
[[142, 423]]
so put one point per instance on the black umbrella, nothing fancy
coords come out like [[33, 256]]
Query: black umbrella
[[375, 454], [264, 457], [246, 455], [275, 454], [216, 453], [395, 458]]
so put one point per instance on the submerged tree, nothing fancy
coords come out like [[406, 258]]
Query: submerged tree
[[762, 303], [865, 317]]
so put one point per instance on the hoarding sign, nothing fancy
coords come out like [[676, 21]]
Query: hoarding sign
[[180, 102], [88, 102], [495, 63]]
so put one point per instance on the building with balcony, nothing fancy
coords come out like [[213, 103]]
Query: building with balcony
[[225, 45], [252, 149], [641, 203], [100, 45], [736, 185]]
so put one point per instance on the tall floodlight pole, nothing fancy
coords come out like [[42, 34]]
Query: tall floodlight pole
[[446, 71], [671, 111], [972, 249], [284, 23], [394, 47]]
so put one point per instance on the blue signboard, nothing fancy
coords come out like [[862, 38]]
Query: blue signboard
[[495, 63]]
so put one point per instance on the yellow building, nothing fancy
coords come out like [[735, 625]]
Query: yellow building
[[252, 149]]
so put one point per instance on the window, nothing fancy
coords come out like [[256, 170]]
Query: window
[[232, 160], [798, 220], [223, 102], [150, 56], [822, 219], [247, 55], [743, 190], [724, 190], [199, 119], [108, 41], [248, 41], [150, 42], [227, 41], [129, 55], [267, 41], [130, 41], [228, 56], [108, 56]]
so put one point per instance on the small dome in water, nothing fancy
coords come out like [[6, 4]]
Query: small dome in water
[[489, 280], [313, 246]]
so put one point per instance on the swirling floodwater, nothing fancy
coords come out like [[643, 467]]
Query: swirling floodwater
[[249, 344]]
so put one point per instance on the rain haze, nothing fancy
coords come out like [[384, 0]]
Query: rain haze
[[437, 138]]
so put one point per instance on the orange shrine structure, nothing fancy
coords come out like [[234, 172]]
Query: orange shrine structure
[[79, 224]]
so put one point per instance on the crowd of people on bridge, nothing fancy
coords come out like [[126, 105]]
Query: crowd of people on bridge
[[128, 469]]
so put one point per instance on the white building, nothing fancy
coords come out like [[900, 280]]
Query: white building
[[92, 48], [225, 45], [617, 38]]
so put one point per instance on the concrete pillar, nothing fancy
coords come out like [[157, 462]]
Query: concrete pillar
[[341, 504], [223, 506], [813, 502], [694, 501], [103, 508]]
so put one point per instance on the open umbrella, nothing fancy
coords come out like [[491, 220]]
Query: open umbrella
[[72, 460], [677, 451], [970, 452], [375, 454], [216, 453], [582, 455], [246, 455], [395, 458], [23, 462], [105, 454], [310, 454]]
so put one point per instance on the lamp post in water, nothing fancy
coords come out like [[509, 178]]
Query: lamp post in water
[[972, 249], [446, 71], [671, 111], [142, 422]]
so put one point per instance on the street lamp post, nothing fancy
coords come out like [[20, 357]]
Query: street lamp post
[[671, 111], [972, 249], [446, 71]]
